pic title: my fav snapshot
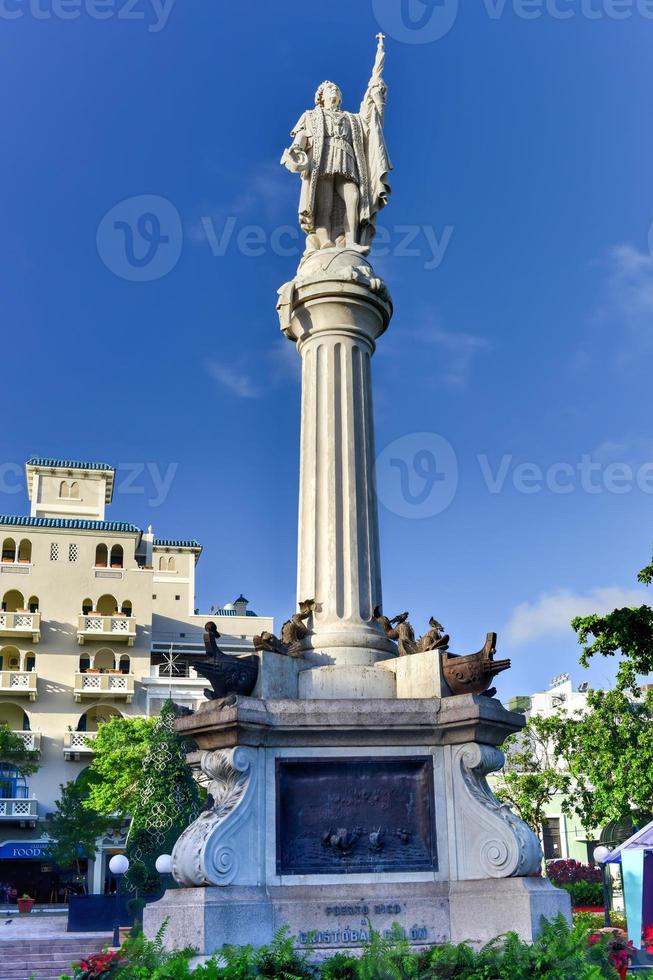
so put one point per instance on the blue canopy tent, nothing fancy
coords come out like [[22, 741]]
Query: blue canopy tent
[[636, 858]]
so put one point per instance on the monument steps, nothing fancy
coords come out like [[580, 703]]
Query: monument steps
[[47, 959]]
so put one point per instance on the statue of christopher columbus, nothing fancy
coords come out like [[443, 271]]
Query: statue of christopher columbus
[[344, 165]]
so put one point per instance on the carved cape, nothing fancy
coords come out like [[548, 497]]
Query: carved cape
[[372, 161]]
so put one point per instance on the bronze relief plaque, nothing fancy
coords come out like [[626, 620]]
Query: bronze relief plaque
[[344, 815]]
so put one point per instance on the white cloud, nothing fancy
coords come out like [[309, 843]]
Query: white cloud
[[236, 381], [269, 200], [252, 375], [551, 613], [630, 281], [456, 350], [631, 450]]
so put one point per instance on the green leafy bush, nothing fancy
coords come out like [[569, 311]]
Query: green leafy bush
[[559, 953], [584, 893]]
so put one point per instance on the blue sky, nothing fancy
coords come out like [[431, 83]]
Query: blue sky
[[516, 249]]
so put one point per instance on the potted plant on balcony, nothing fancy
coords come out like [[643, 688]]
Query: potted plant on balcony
[[25, 904]]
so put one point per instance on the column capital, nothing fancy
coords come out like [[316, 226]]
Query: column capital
[[335, 291]]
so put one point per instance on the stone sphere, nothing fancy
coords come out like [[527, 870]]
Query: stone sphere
[[336, 263]]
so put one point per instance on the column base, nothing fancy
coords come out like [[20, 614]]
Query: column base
[[347, 646]]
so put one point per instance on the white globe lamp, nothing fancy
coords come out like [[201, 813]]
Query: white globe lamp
[[163, 864], [119, 864]]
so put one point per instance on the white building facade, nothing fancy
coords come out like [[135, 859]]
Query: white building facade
[[97, 619]]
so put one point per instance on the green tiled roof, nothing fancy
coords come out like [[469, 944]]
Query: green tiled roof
[[68, 464], [73, 524], [176, 543]]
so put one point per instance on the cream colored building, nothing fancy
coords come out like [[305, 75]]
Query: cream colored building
[[97, 619]]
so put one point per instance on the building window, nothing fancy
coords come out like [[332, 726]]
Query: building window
[[73, 552], [64, 489], [74, 490], [551, 838], [25, 551], [116, 556], [154, 597], [9, 550], [177, 597], [12, 783], [54, 551]]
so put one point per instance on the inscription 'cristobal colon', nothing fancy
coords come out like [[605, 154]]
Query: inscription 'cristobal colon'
[[342, 937]]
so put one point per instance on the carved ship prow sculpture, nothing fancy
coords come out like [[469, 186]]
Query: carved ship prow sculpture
[[473, 674], [226, 674]]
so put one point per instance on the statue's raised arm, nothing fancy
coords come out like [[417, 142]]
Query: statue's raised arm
[[376, 96]]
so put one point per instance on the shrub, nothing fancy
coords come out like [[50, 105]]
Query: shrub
[[568, 872], [559, 953], [585, 893]]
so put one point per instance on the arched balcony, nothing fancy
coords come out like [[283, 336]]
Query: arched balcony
[[16, 719], [78, 744], [103, 673], [18, 675], [15, 804], [18, 619], [101, 556], [106, 621]]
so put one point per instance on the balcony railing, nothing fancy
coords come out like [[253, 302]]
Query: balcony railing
[[74, 744], [21, 624], [32, 740], [19, 811], [118, 629], [19, 682], [119, 686]]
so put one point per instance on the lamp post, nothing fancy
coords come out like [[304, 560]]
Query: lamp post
[[118, 866], [600, 855], [163, 865]]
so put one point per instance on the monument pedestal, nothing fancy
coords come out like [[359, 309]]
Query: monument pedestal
[[333, 815]]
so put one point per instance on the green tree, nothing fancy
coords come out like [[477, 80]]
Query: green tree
[[625, 632], [119, 751], [14, 753], [608, 753], [605, 753], [532, 776], [73, 828], [167, 801]]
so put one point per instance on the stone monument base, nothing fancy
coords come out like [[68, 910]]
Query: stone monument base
[[329, 815], [329, 918]]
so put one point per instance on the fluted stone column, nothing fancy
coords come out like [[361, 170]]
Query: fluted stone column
[[335, 313]]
